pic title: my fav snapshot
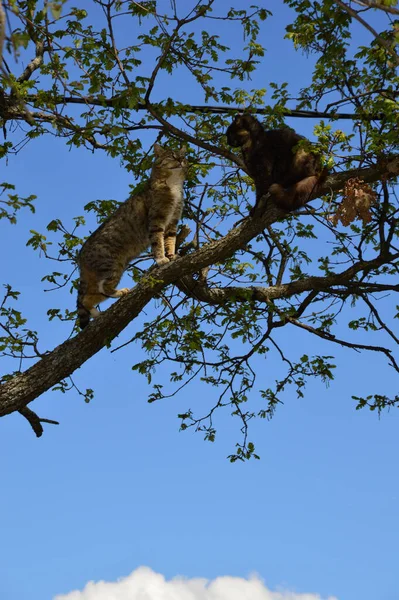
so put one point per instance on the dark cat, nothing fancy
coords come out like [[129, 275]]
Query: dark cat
[[147, 218], [290, 174]]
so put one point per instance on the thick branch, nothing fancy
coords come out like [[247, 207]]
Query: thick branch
[[70, 355], [199, 290]]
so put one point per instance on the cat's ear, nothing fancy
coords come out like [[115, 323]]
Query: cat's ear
[[183, 151], [158, 150]]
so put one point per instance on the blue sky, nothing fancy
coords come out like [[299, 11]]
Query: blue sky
[[116, 486]]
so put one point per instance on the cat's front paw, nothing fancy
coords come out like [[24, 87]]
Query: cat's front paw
[[123, 292], [172, 256], [162, 261]]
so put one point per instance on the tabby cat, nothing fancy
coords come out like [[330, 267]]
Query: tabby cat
[[275, 163], [148, 217]]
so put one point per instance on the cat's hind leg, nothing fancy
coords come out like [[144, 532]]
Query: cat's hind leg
[[106, 287], [87, 300], [296, 195], [86, 306]]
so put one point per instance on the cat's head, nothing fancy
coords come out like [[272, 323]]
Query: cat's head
[[241, 129], [170, 158]]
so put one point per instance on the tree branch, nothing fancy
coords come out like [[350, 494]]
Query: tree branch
[[193, 140], [35, 421], [378, 6], [2, 31], [34, 63], [205, 109], [383, 42], [331, 338], [198, 289]]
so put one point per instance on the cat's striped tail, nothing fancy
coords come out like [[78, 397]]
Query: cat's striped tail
[[83, 312]]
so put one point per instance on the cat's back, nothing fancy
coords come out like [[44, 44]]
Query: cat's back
[[124, 233], [280, 142]]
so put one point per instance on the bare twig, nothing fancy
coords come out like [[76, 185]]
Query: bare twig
[[332, 338], [35, 421], [107, 11]]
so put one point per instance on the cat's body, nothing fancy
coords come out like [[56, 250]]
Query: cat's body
[[147, 218], [275, 163]]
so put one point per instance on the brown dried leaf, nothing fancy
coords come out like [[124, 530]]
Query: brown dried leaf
[[357, 200]]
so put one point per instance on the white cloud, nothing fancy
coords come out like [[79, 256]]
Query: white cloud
[[145, 584]]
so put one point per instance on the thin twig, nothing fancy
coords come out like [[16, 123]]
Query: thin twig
[[384, 43], [378, 6], [2, 31], [35, 421]]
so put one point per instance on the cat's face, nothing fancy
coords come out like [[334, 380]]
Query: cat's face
[[239, 131], [168, 158]]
